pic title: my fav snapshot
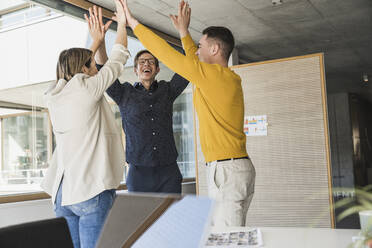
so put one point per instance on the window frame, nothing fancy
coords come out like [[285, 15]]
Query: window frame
[[25, 6], [27, 196], [15, 8], [40, 195]]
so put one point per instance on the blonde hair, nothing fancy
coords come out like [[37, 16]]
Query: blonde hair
[[71, 61]]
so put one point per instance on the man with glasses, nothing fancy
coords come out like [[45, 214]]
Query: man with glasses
[[146, 110], [219, 103]]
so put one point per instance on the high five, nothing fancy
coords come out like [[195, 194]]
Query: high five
[[218, 99]]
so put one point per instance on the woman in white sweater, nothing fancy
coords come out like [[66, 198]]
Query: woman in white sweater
[[87, 164]]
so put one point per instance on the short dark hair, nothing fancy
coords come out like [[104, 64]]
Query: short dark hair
[[223, 36], [142, 52]]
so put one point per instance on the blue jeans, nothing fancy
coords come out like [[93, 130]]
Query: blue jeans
[[85, 219]]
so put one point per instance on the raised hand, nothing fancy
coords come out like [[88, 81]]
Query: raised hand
[[100, 19], [132, 22], [95, 24], [182, 21], [120, 15]]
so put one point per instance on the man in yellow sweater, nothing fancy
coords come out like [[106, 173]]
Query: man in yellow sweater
[[218, 99]]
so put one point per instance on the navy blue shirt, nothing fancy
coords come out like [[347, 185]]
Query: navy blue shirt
[[147, 120]]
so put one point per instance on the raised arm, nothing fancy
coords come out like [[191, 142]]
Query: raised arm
[[114, 66], [188, 67], [120, 18], [177, 86], [96, 29], [101, 55], [95, 25], [181, 22]]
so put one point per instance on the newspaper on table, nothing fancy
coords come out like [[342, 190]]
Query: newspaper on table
[[251, 238]]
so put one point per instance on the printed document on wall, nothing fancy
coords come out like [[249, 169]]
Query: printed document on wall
[[255, 125]]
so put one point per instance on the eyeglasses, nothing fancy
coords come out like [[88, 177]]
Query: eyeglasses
[[143, 61]]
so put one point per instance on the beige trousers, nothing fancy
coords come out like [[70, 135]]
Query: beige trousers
[[231, 184]]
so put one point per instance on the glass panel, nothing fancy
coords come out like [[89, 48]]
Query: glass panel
[[350, 134], [183, 129], [25, 152], [24, 16], [116, 111]]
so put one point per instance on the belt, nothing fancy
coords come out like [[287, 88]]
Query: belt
[[246, 157]]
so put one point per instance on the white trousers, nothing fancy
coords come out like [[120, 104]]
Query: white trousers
[[231, 184]]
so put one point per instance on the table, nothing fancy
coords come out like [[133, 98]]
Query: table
[[283, 237]]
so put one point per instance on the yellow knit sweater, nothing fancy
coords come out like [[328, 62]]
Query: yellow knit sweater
[[218, 97]]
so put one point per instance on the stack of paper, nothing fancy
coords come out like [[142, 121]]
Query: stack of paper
[[251, 238]]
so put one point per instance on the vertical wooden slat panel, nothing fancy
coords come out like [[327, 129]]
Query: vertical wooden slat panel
[[292, 162]]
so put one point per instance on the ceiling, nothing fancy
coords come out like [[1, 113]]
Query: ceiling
[[341, 29]]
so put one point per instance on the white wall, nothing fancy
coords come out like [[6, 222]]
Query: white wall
[[29, 54]]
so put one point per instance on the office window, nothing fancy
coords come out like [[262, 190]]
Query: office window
[[116, 111], [25, 146], [24, 13], [184, 133]]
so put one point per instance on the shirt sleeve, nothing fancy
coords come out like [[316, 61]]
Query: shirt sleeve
[[110, 71], [189, 47], [116, 91], [177, 86]]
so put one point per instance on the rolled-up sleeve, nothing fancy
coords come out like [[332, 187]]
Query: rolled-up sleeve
[[116, 91], [177, 85], [110, 71]]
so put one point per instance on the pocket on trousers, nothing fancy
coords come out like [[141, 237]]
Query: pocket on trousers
[[240, 177], [213, 183], [219, 177]]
